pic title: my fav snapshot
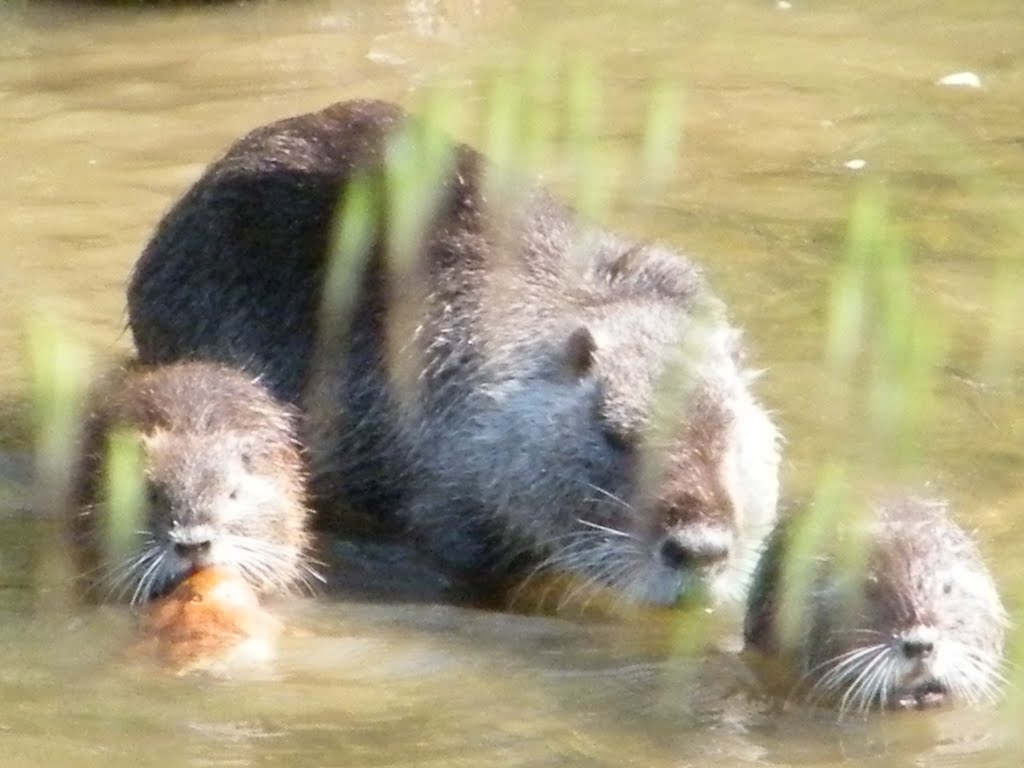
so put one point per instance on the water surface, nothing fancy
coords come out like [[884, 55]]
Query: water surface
[[108, 113]]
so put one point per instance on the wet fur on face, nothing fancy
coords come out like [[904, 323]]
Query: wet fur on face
[[223, 484], [918, 624], [632, 458]]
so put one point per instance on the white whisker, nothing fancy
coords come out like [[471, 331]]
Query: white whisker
[[604, 528]]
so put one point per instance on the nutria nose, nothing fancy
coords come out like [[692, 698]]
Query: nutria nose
[[684, 549], [192, 550], [916, 649]]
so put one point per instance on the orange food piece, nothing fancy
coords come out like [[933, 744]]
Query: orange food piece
[[213, 618]]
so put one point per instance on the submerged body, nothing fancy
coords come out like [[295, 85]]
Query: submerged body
[[533, 394], [913, 620], [223, 484]]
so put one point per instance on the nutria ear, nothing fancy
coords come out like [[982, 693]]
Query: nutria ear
[[248, 449], [579, 352]]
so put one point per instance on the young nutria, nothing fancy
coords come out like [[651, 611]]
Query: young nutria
[[223, 486], [577, 402], [911, 622]]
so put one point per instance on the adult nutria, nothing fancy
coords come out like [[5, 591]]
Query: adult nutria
[[911, 620], [223, 483], [577, 401]]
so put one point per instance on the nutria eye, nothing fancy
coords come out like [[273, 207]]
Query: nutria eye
[[872, 587], [617, 441], [247, 459], [152, 495], [579, 352]]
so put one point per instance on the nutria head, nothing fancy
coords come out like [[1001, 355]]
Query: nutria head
[[220, 499], [685, 483], [919, 624], [222, 486], [627, 452]]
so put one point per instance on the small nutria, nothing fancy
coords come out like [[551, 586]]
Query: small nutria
[[912, 619], [541, 435], [224, 483]]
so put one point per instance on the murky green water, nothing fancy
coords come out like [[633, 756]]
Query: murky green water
[[108, 113]]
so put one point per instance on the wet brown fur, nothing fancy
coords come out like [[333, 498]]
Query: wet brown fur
[[200, 414], [487, 399], [922, 577]]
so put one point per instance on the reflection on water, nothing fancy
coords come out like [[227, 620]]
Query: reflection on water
[[110, 112]]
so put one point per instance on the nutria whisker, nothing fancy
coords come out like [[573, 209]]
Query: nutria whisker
[[306, 577], [557, 560], [580, 594], [834, 667], [842, 675], [622, 571], [605, 572], [538, 569], [605, 528], [255, 566], [268, 566], [310, 568], [633, 590], [859, 694], [983, 689], [278, 559], [978, 676], [560, 557], [148, 579], [591, 555], [612, 497], [126, 575], [581, 545]]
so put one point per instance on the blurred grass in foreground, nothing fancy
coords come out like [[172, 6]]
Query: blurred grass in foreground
[[61, 372], [520, 129], [60, 369], [884, 347], [124, 492]]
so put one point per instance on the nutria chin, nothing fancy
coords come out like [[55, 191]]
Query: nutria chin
[[223, 484], [539, 437], [917, 624]]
